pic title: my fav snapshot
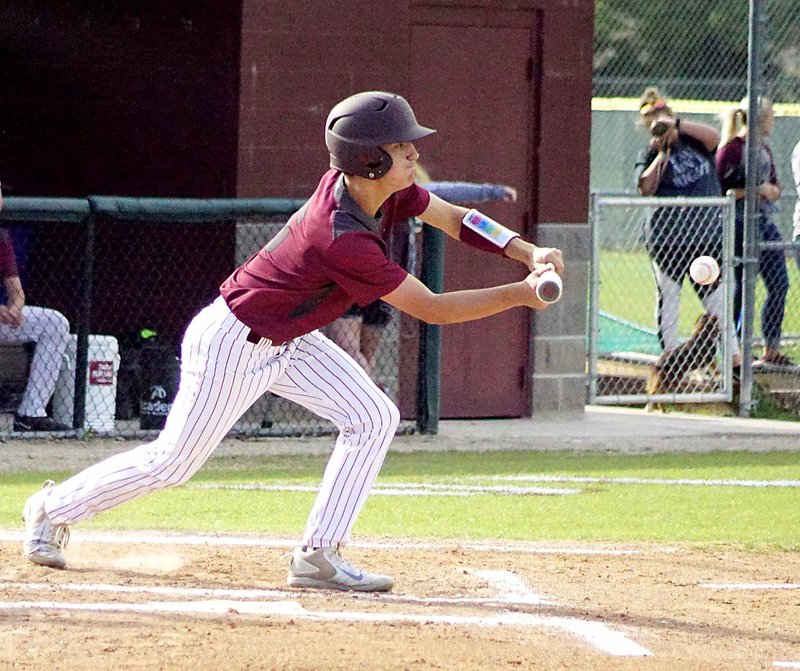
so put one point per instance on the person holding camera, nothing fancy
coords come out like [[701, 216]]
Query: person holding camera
[[679, 161]]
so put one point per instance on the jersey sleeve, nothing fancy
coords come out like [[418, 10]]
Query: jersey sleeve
[[643, 160], [8, 262], [730, 167], [357, 262], [410, 202]]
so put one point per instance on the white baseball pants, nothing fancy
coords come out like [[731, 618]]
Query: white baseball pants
[[49, 329], [222, 375], [668, 308]]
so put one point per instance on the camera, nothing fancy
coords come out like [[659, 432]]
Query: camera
[[659, 128]]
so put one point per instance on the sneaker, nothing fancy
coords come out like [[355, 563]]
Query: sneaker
[[25, 423], [43, 541], [777, 359], [325, 568]]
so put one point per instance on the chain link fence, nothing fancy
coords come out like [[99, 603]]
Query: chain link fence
[[693, 49], [625, 340], [697, 53], [655, 335], [128, 275]]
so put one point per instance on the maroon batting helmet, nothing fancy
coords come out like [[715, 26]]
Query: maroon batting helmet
[[358, 125]]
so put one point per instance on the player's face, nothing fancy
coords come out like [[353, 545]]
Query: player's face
[[404, 160]]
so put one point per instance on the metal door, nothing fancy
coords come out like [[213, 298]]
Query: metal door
[[475, 85]]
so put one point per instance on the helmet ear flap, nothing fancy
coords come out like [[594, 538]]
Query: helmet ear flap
[[375, 161], [359, 160]]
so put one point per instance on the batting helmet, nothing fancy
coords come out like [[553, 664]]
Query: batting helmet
[[358, 125]]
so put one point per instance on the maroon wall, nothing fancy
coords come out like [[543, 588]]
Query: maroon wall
[[134, 98], [298, 60], [226, 98], [134, 101], [507, 84], [565, 117]]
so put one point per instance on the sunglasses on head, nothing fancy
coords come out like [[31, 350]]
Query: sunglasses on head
[[655, 106]]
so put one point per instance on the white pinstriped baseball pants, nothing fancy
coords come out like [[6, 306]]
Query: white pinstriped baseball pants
[[49, 329], [222, 375]]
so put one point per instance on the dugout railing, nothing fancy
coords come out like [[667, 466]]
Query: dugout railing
[[127, 313]]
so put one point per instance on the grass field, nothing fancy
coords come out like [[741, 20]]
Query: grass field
[[635, 300], [656, 509], [632, 294]]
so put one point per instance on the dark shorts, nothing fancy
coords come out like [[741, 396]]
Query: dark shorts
[[674, 238], [377, 313]]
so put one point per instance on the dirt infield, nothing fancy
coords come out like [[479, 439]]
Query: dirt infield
[[196, 603], [175, 603]]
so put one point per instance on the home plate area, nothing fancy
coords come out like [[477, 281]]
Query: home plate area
[[195, 602]]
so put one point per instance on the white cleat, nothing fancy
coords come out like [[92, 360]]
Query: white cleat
[[325, 568], [43, 541]]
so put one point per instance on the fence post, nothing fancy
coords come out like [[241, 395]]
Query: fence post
[[729, 337], [84, 321], [750, 249], [594, 295], [430, 345]]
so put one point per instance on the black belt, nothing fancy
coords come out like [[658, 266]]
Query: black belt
[[253, 337]]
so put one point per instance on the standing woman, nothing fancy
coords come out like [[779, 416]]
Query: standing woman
[[796, 178], [679, 161], [772, 262]]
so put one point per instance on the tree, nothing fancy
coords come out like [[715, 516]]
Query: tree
[[691, 48]]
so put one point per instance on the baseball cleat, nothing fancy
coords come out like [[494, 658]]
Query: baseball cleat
[[43, 541], [325, 568], [25, 423]]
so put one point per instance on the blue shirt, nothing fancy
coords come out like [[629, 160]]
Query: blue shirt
[[690, 169]]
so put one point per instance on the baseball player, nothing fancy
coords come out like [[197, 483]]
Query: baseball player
[[261, 334], [47, 328]]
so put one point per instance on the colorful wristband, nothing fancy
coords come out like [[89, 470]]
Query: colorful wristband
[[479, 231]]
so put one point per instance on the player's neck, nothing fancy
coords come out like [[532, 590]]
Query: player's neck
[[369, 194]]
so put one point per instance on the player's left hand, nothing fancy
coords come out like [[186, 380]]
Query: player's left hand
[[534, 257], [543, 255]]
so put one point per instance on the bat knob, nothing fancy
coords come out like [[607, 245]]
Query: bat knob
[[549, 286]]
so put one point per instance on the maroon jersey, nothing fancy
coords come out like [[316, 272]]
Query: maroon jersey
[[8, 262], [329, 255]]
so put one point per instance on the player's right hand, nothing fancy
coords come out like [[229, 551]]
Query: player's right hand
[[10, 315], [532, 300]]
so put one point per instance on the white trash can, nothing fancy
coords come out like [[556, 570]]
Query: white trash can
[[101, 384]]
